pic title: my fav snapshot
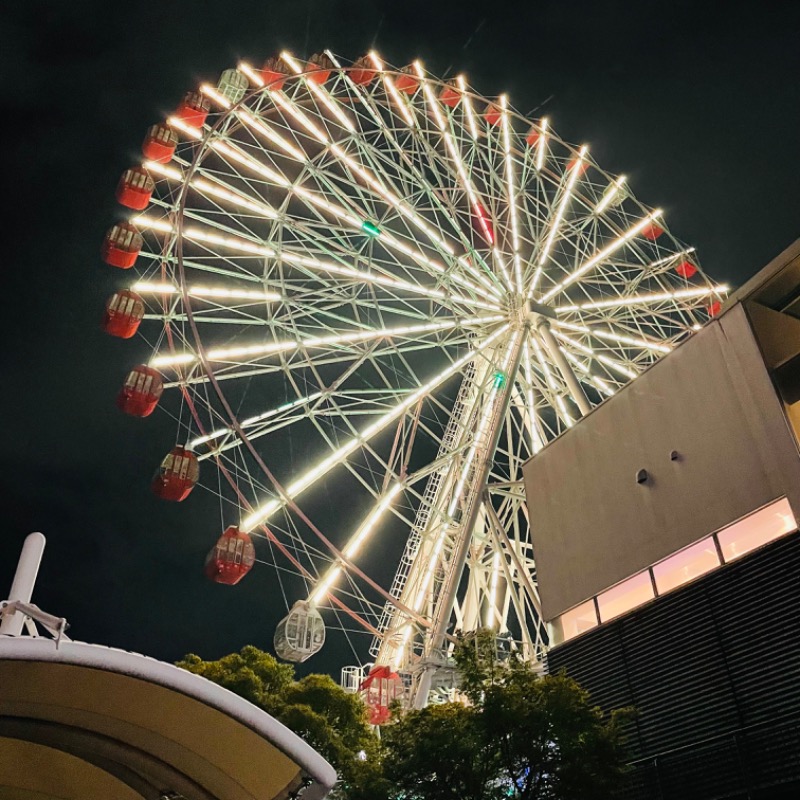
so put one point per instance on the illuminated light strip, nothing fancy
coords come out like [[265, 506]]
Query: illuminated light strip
[[512, 199], [609, 195], [262, 514], [237, 155], [163, 169], [250, 421], [669, 258], [281, 100], [321, 94], [207, 187], [575, 171], [205, 291], [399, 101], [355, 543], [382, 190], [270, 134], [189, 130], [629, 373], [219, 99], [615, 337], [465, 470], [536, 438], [541, 144], [371, 180], [270, 348], [143, 221], [251, 74], [477, 208], [597, 258], [621, 368], [602, 386], [473, 125], [645, 298], [387, 195], [499, 259], [369, 277], [306, 261]]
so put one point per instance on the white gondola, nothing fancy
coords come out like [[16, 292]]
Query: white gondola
[[233, 85], [300, 634]]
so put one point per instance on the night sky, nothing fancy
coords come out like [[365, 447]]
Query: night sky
[[699, 107]]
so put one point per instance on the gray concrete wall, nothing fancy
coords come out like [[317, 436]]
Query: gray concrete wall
[[713, 402]]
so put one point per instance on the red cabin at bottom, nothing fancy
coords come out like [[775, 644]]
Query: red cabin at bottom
[[378, 691], [231, 558]]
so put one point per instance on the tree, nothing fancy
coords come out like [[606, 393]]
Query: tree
[[314, 707], [520, 735]]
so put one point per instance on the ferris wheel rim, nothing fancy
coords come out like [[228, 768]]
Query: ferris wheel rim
[[209, 370]]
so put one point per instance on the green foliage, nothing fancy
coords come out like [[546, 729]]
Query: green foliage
[[520, 735], [315, 707], [517, 736]]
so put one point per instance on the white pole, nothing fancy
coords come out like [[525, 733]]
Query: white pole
[[24, 580]]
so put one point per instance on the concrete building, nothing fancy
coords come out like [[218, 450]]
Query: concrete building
[[667, 553]]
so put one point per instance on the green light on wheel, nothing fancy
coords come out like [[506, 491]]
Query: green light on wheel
[[499, 380], [370, 228]]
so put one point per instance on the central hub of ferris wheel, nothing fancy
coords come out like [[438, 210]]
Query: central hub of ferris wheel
[[373, 295]]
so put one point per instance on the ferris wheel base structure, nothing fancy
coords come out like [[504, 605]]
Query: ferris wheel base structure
[[420, 287]]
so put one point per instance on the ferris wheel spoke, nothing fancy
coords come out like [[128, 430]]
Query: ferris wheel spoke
[[260, 514]]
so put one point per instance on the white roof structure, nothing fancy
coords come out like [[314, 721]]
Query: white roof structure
[[91, 722]]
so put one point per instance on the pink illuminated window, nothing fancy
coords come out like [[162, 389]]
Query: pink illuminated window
[[686, 565], [759, 528], [625, 596], [577, 620]]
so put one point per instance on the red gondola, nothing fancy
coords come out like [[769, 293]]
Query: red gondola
[[193, 109], [686, 269], [493, 114], [319, 68], [141, 391], [159, 143], [122, 245], [274, 73], [177, 475], [124, 312], [407, 81], [362, 72], [652, 231], [450, 95], [135, 188], [714, 308], [231, 558], [533, 136], [378, 690]]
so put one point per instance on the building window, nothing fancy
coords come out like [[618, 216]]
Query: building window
[[577, 620], [625, 596], [686, 565], [763, 526]]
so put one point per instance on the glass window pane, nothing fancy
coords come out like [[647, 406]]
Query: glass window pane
[[625, 596], [759, 528], [577, 620], [686, 565]]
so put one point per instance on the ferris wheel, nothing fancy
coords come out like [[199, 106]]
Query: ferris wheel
[[372, 295]]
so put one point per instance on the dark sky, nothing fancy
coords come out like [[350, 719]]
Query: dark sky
[[698, 105]]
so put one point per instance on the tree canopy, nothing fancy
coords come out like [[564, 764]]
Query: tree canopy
[[513, 734], [314, 707]]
